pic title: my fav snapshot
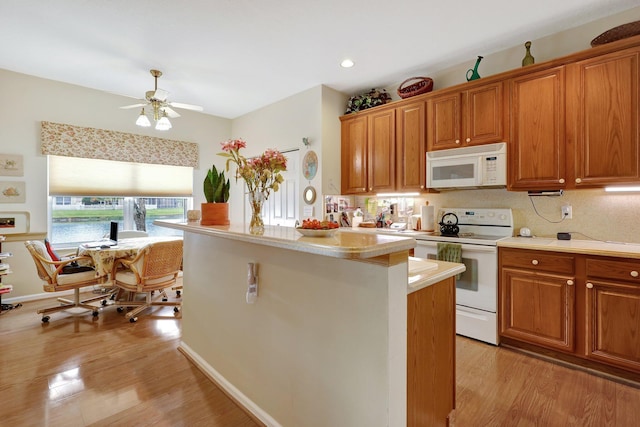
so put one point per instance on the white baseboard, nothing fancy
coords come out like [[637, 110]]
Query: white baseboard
[[43, 295], [228, 388]]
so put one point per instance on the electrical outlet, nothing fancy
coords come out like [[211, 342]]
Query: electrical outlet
[[567, 212]]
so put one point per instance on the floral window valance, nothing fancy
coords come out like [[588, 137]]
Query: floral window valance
[[74, 141]]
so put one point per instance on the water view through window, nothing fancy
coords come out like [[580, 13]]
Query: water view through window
[[81, 219]]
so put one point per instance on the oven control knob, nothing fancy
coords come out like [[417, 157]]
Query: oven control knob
[[570, 282], [534, 262], [589, 285]]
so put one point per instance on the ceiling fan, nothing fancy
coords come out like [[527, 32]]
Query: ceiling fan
[[157, 98]]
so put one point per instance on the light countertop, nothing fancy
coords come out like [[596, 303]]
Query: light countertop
[[589, 247], [341, 245], [442, 270]]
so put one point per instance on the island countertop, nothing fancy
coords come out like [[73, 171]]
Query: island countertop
[[346, 245]]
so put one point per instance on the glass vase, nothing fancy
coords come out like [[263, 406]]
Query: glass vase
[[256, 226]]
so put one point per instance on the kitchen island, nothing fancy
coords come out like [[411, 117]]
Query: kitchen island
[[325, 342]]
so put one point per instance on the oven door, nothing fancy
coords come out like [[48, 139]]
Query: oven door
[[478, 285]]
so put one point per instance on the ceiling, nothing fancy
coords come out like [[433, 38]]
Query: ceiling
[[235, 56]]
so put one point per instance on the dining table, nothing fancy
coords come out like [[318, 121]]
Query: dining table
[[104, 256]]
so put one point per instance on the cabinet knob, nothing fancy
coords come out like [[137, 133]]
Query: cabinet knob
[[468, 140], [578, 180], [634, 273], [561, 180], [370, 188], [589, 285], [534, 261], [422, 187], [570, 282], [457, 141]]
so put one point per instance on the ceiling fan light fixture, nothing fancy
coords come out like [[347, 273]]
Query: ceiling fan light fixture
[[162, 108], [163, 123], [143, 120]]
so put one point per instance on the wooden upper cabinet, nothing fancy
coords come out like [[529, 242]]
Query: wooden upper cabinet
[[472, 117], [411, 147], [537, 134], [368, 152], [604, 114], [354, 131], [382, 150], [445, 120]]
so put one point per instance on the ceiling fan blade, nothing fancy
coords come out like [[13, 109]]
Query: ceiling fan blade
[[171, 113], [161, 95], [126, 107], [186, 106]]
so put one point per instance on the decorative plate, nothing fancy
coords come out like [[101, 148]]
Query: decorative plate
[[310, 232], [310, 165]]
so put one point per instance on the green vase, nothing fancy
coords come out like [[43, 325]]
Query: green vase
[[528, 59]]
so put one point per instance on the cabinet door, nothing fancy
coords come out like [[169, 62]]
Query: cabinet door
[[538, 308], [613, 323], [411, 147], [444, 123], [483, 120], [382, 151], [354, 155], [606, 119], [431, 354], [537, 155]]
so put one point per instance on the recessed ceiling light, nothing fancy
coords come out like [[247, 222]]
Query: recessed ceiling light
[[347, 63]]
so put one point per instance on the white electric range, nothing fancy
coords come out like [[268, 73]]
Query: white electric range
[[477, 287]]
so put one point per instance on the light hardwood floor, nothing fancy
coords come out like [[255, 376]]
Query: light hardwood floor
[[77, 371]]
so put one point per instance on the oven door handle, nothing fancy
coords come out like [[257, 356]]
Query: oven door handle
[[465, 247]]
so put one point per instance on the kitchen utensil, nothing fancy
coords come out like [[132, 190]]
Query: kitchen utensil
[[449, 224]]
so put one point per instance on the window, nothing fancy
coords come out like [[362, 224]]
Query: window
[[89, 218], [82, 203]]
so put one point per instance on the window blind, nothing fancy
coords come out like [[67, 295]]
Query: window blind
[[75, 176]]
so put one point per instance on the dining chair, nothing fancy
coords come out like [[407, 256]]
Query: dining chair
[[72, 273], [156, 267]]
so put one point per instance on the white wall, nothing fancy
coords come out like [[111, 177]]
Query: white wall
[[29, 100], [544, 49], [317, 348], [312, 114]]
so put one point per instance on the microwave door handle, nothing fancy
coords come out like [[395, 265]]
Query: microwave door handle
[[479, 166]]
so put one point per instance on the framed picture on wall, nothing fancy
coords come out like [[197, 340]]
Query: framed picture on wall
[[12, 192], [11, 165]]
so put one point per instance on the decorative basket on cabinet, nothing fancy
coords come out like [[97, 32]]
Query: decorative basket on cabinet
[[422, 85]]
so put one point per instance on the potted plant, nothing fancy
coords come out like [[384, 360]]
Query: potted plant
[[216, 191]]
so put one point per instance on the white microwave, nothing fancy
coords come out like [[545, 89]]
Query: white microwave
[[480, 166]]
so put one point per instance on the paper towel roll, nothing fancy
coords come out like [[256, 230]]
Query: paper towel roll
[[427, 217]]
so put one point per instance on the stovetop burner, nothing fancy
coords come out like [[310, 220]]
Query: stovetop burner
[[476, 226]]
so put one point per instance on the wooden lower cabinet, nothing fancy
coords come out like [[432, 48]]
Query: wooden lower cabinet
[[613, 312], [587, 309], [431, 351], [538, 308]]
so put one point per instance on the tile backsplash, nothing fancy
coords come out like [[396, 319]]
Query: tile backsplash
[[596, 214]]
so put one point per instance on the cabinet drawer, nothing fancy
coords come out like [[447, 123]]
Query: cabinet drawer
[[628, 270], [537, 260]]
